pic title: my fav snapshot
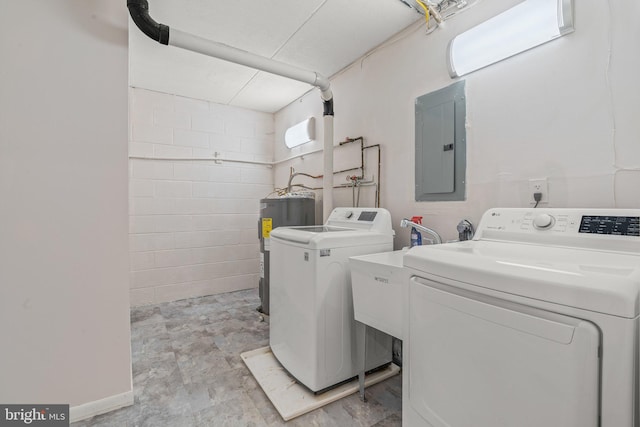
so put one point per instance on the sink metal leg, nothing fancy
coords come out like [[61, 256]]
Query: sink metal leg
[[361, 344]]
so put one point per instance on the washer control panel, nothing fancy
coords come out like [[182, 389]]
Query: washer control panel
[[372, 219], [577, 222]]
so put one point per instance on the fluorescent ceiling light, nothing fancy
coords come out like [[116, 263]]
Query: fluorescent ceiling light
[[524, 26], [301, 133]]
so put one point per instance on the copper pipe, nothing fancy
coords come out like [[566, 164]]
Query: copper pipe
[[348, 141]]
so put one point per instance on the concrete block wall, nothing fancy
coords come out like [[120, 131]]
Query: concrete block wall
[[193, 224]]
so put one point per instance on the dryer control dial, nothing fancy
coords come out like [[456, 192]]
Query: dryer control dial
[[543, 221]]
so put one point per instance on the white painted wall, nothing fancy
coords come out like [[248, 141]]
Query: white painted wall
[[64, 302], [565, 110], [193, 224]]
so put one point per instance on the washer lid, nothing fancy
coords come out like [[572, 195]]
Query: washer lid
[[327, 237], [605, 282]]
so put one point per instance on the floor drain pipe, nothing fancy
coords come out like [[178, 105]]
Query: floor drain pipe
[[139, 11]]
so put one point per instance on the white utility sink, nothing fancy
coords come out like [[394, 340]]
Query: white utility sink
[[378, 282]]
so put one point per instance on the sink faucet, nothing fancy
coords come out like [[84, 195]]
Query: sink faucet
[[406, 223], [465, 230]]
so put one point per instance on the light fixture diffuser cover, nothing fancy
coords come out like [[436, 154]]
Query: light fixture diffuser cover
[[300, 133], [524, 26]]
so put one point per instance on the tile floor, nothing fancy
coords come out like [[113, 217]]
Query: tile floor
[[187, 371]]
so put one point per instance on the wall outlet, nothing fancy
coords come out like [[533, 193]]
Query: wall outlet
[[538, 185]]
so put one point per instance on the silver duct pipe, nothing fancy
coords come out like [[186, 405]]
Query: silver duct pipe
[[139, 11]]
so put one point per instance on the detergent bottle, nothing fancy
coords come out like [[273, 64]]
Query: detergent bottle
[[416, 237]]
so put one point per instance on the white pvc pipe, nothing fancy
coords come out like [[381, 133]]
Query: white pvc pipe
[[297, 156], [206, 159], [224, 159], [229, 53]]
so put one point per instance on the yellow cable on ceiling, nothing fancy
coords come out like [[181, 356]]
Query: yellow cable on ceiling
[[426, 11]]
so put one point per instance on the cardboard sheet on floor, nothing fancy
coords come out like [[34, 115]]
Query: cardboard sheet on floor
[[292, 399]]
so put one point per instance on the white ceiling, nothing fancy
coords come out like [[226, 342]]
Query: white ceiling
[[319, 35]]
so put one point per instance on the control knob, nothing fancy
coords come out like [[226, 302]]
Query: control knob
[[348, 214], [543, 221]]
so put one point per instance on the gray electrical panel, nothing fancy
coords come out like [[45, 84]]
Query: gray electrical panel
[[441, 145]]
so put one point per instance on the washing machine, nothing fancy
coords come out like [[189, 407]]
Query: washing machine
[[532, 323], [312, 328]]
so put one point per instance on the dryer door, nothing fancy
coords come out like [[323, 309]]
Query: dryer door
[[477, 361]]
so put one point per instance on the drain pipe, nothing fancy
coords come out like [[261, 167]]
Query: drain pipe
[[139, 11]]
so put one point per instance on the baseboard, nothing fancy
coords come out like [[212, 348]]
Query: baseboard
[[97, 407], [168, 293]]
